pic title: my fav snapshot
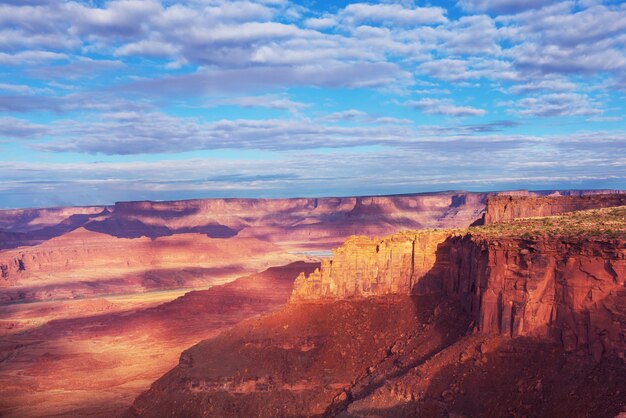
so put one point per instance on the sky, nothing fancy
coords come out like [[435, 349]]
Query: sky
[[102, 101]]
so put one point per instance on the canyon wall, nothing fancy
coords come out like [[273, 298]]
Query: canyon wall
[[321, 222], [505, 208], [367, 267], [305, 220], [83, 263], [571, 289], [88, 250]]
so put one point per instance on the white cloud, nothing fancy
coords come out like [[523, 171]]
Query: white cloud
[[502, 6], [320, 23], [557, 104], [20, 128], [394, 14], [30, 57], [346, 115], [270, 101], [443, 107]]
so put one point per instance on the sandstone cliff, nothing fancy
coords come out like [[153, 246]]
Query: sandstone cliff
[[366, 267], [505, 208], [560, 277]]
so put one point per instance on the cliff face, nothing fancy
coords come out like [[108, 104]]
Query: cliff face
[[570, 290], [407, 351], [368, 267], [505, 208], [568, 287]]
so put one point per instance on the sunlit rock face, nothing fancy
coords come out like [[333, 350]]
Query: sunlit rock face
[[133, 246], [505, 208], [83, 263], [367, 267], [571, 290], [533, 279]]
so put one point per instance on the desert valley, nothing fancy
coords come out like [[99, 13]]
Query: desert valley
[[465, 304]]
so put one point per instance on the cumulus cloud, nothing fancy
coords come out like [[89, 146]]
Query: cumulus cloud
[[545, 84], [20, 128], [502, 6], [78, 68], [320, 23], [270, 101], [30, 57], [443, 107], [562, 40], [394, 14], [332, 75], [128, 133], [557, 104], [346, 115]]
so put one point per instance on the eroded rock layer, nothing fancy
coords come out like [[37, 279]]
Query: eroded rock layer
[[84, 263], [505, 208], [367, 267], [555, 282], [322, 220], [329, 219]]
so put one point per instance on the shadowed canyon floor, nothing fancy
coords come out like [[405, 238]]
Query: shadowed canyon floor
[[96, 364]]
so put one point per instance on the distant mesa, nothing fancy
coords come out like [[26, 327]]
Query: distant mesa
[[508, 208], [330, 220]]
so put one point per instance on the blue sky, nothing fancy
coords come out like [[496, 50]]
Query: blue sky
[[125, 100]]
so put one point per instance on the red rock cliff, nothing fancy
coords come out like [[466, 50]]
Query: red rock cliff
[[505, 208], [568, 286], [368, 267], [572, 290]]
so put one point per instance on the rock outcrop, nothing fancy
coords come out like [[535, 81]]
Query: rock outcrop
[[367, 267], [556, 281], [505, 208], [571, 290]]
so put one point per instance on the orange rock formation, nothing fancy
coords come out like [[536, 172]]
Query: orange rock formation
[[505, 208], [568, 287]]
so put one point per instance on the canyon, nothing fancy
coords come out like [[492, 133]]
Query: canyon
[[525, 317], [69, 253], [74, 281], [98, 302], [95, 361]]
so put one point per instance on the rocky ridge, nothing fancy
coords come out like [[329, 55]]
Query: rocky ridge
[[506, 208], [560, 277], [311, 220]]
